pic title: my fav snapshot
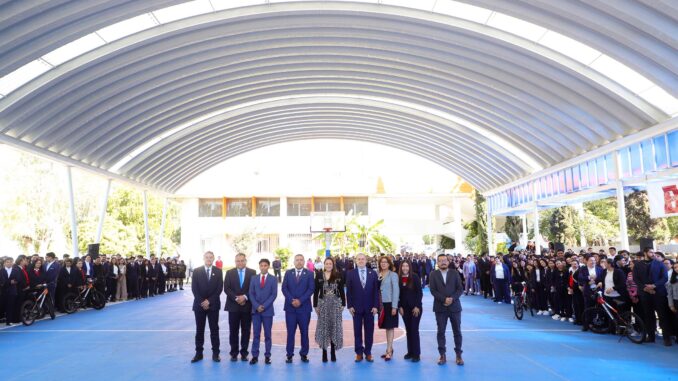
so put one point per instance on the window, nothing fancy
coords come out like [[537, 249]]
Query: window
[[661, 158], [267, 243], [209, 207], [648, 156], [636, 167], [298, 207], [239, 207], [625, 162], [327, 204], [268, 207], [673, 148], [357, 205], [602, 171]]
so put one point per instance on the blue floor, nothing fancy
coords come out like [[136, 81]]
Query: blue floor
[[153, 340]]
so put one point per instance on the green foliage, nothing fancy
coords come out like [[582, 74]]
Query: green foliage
[[360, 238], [501, 248], [563, 226], [447, 242], [244, 242], [481, 219], [638, 220], [513, 227], [428, 239], [284, 253], [472, 240]]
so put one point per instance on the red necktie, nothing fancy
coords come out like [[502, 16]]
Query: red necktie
[[263, 281]]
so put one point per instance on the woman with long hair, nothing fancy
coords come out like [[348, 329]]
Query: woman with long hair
[[389, 295], [410, 308], [121, 291], [329, 301]]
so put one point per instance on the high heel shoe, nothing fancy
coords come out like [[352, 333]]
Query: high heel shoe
[[324, 355], [388, 356], [333, 354]]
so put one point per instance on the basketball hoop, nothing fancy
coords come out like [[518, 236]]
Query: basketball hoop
[[328, 223]]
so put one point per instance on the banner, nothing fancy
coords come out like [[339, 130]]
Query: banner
[[663, 198]]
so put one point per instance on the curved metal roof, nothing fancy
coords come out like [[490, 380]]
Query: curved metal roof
[[162, 105]]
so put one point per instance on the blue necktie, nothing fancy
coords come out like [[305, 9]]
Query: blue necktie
[[241, 278]]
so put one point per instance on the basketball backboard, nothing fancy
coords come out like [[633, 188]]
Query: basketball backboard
[[328, 222]]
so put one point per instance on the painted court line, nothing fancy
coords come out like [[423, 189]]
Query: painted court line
[[278, 330]]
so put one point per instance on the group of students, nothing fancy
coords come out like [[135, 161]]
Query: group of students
[[115, 277], [366, 291], [563, 284]]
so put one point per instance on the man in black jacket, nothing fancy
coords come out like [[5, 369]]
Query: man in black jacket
[[208, 282], [9, 281], [446, 289], [239, 308]]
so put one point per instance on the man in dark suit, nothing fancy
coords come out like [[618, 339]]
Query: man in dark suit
[[446, 289], [239, 307], [207, 285], [51, 270], [298, 286], [591, 278], [132, 279], [9, 281], [262, 294], [362, 295]]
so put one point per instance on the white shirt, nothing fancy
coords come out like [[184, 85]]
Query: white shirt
[[164, 269], [499, 270], [538, 275], [444, 274], [115, 270], [609, 283], [68, 269], [209, 271], [592, 271], [9, 271], [48, 265]]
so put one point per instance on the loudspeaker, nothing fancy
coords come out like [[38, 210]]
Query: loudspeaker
[[93, 250], [646, 242], [559, 246]]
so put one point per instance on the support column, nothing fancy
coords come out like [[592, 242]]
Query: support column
[[537, 235], [158, 251], [283, 240], [74, 220], [490, 241], [458, 239], [104, 206], [148, 238], [621, 205], [523, 235], [582, 237]]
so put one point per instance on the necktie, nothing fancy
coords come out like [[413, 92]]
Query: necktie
[[208, 274], [263, 280], [298, 276], [362, 278], [241, 278]]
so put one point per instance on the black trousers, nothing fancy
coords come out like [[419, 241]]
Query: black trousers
[[240, 328], [658, 303], [9, 303], [412, 331], [485, 285], [211, 316], [111, 288], [455, 321], [132, 287], [578, 304], [540, 290], [278, 274]]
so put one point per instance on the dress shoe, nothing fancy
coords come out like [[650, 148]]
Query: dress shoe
[[234, 358], [358, 358], [369, 358], [196, 358], [243, 357], [267, 361], [216, 358], [459, 360], [407, 356], [324, 355], [254, 361], [333, 354], [442, 360], [304, 358], [288, 359], [416, 358]]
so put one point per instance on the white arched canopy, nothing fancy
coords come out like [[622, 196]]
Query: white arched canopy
[[163, 104]]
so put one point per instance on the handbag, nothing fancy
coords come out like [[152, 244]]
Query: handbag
[[382, 315]]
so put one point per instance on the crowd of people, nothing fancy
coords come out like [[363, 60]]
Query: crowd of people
[[562, 284], [117, 278], [387, 287]]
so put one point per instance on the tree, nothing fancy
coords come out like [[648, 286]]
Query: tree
[[481, 222], [563, 225], [447, 242], [513, 227], [638, 220], [284, 253], [244, 242]]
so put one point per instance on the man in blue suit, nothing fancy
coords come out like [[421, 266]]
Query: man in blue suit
[[263, 291], [362, 296], [51, 269], [298, 286], [207, 285]]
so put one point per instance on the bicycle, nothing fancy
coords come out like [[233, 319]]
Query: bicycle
[[603, 318], [89, 295], [34, 307], [521, 302]]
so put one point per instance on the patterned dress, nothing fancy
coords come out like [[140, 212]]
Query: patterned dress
[[330, 329]]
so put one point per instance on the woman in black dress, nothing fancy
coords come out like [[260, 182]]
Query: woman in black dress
[[410, 308], [329, 301], [389, 296]]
